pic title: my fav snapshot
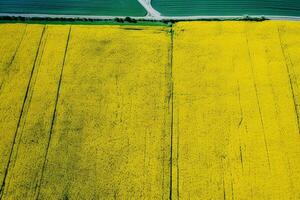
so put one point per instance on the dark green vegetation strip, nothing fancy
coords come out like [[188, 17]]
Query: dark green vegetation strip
[[84, 21], [116, 21]]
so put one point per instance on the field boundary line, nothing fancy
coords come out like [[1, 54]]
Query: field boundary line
[[38, 186]]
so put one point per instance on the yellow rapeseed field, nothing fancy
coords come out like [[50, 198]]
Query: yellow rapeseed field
[[33, 132], [200, 110], [95, 120], [236, 129], [19, 46]]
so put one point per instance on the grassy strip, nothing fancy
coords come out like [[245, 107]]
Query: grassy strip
[[82, 21], [115, 21]]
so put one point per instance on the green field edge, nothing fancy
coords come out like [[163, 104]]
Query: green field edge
[[82, 22], [115, 21], [140, 23]]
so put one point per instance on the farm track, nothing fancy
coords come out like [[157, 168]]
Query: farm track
[[199, 110], [151, 12]]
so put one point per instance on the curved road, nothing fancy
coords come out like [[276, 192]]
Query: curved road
[[151, 12]]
